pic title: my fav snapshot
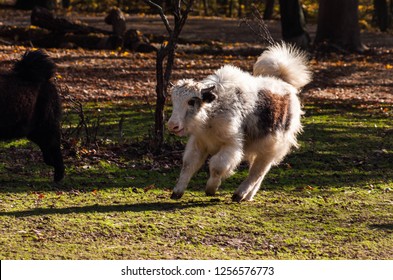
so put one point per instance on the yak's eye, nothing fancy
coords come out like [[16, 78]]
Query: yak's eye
[[191, 102]]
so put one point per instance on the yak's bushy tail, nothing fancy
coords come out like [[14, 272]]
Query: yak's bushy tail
[[285, 62], [35, 66]]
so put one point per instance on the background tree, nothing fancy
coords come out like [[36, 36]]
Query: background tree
[[338, 25], [269, 9], [166, 55], [206, 7], [391, 9], [293, 23], [381, 14]]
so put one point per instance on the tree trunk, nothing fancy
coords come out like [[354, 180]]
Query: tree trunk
[[206, 7], [391, 9], [269, 8], [161, 93], [163, 74], [239, 9], [231, 7], [338, 25], [381, 13], [293, 23]]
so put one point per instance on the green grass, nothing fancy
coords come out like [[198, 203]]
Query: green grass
[[330, 199]]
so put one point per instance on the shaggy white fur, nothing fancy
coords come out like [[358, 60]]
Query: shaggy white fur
[[234, 116], [286, 62]]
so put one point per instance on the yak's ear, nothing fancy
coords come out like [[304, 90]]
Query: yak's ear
[[207, 94]]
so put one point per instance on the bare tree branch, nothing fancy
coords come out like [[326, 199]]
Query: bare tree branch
[[164, 63], [162, 14]]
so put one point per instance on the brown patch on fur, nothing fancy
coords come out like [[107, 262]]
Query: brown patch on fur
[[273, 112]]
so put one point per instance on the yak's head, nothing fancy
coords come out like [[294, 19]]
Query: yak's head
[[188, 100]]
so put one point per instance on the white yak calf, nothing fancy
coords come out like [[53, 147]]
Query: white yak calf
[[234, 116]]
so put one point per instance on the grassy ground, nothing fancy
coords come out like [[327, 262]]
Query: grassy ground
[[330, 199]]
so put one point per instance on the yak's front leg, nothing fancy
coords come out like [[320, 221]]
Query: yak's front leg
[[193, 159], [222, 166]]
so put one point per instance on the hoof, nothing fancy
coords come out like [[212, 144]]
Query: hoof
[[176, 195], [236, 198]]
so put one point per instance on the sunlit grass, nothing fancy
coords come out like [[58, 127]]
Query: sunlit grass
[[330, 199]]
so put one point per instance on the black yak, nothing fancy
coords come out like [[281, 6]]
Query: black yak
[[30, 107]]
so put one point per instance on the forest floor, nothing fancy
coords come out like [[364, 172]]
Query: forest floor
[[362, 77], [330, 199]]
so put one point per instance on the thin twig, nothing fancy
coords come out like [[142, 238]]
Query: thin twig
[[263, 31], [162, 14]]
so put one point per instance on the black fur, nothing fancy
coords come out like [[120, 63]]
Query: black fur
[[35, 67], [207, 94], [30, 107]]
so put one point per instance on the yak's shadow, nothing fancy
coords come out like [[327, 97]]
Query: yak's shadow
[[138, 207]]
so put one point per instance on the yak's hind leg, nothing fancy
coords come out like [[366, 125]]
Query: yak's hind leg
[[249, 187], [260, 163], [254, 190]]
